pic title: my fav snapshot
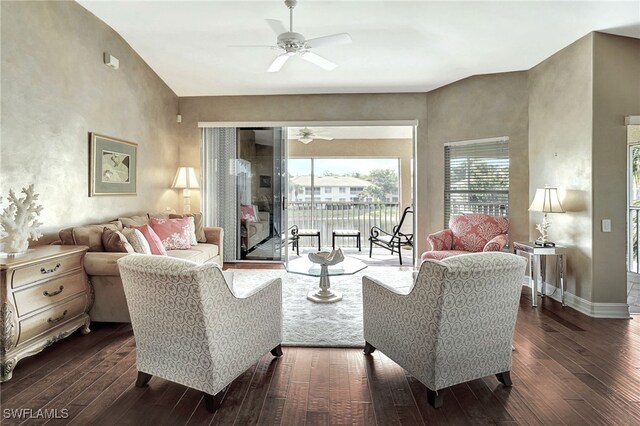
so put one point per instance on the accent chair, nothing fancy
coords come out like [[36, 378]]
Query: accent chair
[[468, 233], [454, 325], [191, 328]]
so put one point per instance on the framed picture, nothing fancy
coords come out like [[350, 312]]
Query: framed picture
[[265, 181], [114, 164]]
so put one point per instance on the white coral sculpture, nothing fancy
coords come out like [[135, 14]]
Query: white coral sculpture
[[18, 221]]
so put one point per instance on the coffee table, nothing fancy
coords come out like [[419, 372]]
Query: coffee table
[[304, 266]]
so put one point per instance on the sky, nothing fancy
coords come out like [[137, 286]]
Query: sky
[[339, 166]]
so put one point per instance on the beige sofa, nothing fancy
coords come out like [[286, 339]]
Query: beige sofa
[[258, 231], [110, 304]]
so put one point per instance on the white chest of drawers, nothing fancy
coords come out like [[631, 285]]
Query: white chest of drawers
[[44, 297]]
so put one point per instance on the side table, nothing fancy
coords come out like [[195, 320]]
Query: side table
[[538, 266]]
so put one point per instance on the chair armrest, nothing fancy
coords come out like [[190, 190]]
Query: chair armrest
[[382, 310], [497, 243], [374, 232], [442, 240]]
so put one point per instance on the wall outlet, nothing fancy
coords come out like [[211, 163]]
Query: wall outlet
[[606, 225]]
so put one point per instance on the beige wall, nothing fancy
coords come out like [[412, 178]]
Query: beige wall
[[369, 148], [616, 94], [55, 90], [560, 134], [476, 108], [342, 107]]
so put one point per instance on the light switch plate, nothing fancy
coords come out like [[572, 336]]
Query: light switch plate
[[606, 225]]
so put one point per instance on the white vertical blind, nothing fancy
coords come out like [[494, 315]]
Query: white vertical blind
[[476, 178]]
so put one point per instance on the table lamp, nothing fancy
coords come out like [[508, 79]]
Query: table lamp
[[186, 180], [546, 200]]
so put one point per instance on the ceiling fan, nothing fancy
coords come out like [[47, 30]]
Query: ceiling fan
[[306, 135], [294, 44]]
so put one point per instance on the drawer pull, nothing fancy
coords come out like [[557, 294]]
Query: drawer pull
[[48, 271], [53, 293], [60, 318]]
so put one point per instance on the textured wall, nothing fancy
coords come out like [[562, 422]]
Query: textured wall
[[560, 134], [342, 107], [476, 108], [370, 148], [55, 90], [616, 94]]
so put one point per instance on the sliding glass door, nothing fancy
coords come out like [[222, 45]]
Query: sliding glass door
[[243, 190]]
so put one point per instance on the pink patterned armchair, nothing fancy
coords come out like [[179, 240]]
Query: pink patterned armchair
[[468, 233]]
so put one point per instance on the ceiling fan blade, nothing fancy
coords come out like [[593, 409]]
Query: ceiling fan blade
[[330, 40], [277, 63], [319, 61], [326, 138], [277, 26], [253, 45]]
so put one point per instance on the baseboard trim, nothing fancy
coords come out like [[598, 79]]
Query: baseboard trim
[[592, 309]]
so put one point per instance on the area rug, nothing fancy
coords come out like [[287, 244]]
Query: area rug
[[306, 323]]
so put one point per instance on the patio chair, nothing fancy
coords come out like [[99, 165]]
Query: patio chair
[[400, 236]]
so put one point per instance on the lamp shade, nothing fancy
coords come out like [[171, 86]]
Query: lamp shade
[[546, 200], [185, 179]]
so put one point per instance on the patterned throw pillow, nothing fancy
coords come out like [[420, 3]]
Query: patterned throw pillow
[[115, 242], [155, 244], [174, 234], [137, 240], [248, 213], [199, 224]]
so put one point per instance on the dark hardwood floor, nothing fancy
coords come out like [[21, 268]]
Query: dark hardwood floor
[[567, 369]]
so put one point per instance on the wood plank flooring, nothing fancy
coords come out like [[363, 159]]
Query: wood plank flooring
[[567, 369]]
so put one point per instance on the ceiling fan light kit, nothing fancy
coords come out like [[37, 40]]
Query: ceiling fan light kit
[[295, 44]]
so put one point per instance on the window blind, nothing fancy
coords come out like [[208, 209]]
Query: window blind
[[476, 178]]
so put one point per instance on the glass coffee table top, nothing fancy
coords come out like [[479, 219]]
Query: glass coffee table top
[[304, 266]]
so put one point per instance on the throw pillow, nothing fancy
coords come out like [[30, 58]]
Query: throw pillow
[[173, 233], [248, 213], [91, 235], [155, 244], [137, 240], [114, 241], [199, 224]]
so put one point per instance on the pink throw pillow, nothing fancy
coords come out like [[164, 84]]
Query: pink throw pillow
[[173, 233], [248, 213], [152, 238]]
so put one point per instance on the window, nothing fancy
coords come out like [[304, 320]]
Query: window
[[343, 190], [327, 190], [476, 177], [356, 189]]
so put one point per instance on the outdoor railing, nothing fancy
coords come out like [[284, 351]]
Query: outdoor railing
[[329, 215], [633, 261]]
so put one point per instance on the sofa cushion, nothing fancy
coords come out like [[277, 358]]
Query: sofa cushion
[[129, 222], [199, 254], [115, 241], [137, 240], [66, 236], [155, 244], [91, 235], [174, 233]]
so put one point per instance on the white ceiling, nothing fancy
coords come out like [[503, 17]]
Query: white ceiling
[[398, 46]]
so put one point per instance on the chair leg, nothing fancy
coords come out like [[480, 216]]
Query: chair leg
[[370, 248], [143, 379], [400, 254], [277, 351], [368, 348], [434, 398], [504, 378], [213, 402]]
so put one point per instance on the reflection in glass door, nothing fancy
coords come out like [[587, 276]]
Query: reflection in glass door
[[259, 188]]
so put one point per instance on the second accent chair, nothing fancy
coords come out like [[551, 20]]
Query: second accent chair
[[191, 328], [454, 325], [468, 233]]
